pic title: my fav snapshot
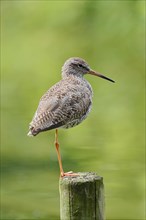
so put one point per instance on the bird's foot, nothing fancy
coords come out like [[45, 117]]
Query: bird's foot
[[70, 173]]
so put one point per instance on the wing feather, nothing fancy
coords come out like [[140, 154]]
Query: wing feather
[[60, 106]]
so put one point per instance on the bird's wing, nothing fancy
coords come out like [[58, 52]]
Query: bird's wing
[[58, 107]]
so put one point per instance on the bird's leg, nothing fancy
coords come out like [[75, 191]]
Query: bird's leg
[[59, 158], [58, 153]]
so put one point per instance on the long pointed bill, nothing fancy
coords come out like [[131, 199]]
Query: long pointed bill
[[92, 72]]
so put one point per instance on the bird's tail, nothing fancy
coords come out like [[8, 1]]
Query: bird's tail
[[30, 134], [32, 131]]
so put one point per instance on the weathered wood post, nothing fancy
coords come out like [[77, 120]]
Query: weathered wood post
[[82, 197]]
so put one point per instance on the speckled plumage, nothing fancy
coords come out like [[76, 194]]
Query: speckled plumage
[[68, 102]]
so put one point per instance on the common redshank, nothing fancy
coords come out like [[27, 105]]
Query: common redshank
[[66, 104]]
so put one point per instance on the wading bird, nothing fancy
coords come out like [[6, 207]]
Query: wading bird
[[66, 104]]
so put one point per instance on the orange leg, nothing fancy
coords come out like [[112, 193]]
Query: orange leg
[[58, 153], [59, 158]]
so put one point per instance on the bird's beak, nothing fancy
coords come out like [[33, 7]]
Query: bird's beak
[[92, 72]]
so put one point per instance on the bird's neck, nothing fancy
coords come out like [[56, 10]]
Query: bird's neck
[[77, 80], [72, 76], [70, 72]]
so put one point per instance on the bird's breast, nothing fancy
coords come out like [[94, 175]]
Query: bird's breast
[[78, 102]]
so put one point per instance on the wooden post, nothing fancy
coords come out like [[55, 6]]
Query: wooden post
[[82, 197]]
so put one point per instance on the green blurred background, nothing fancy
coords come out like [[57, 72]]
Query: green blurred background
[[37, 37]]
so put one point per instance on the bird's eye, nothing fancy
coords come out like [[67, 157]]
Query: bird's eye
[[80, 65]]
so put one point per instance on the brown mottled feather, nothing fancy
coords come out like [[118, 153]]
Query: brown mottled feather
[[65, 105]]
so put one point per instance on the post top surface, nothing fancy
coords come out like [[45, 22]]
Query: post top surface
[[82, 177]]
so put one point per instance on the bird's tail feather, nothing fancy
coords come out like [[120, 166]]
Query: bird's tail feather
[[30, 134], [32, 131]]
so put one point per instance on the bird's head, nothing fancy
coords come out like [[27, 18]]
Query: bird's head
[[79, 67]]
